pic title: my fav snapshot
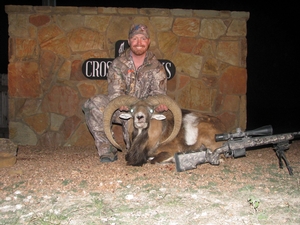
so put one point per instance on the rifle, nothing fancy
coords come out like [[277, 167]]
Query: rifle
[[235, 146]]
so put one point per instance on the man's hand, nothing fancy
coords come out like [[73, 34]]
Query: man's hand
[[123, 108], [161, 108]]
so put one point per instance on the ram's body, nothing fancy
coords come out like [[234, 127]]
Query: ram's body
[[149, 130], [197, 131]]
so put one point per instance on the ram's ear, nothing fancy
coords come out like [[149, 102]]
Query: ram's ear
[[158, 116], [125, 116]]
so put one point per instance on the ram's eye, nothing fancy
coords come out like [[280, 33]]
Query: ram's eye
[[151, 110], [131, 110]]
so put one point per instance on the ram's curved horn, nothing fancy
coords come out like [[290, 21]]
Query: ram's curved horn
[[173, 107], [123, 100]]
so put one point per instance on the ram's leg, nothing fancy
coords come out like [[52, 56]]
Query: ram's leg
[[165, 154], [163, 157]]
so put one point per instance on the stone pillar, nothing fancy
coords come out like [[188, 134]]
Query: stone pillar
[[47, 46]]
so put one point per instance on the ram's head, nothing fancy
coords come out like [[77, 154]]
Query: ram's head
[[142, 111]]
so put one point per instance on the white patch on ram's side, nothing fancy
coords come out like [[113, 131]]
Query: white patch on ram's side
[[191, 128]]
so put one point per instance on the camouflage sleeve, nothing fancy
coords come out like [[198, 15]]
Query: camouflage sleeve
[[116, 83], [159, 83]]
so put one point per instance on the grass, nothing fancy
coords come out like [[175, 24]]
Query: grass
[[14, 186], [227, 170], [247, 188], [66, 182], [98, 208], [83, 184], [162, 203]]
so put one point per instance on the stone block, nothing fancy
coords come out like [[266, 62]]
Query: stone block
[[7, 161], [27, 85], [8, 153], [186, 27]]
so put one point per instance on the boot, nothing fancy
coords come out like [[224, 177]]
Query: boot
[[107, 152]]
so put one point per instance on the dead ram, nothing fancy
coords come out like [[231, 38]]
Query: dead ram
[[158, 136]]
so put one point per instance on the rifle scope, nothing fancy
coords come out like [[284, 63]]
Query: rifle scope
[[265, 130]]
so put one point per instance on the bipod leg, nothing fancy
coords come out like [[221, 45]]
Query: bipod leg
[[290, 169], [280, 148]]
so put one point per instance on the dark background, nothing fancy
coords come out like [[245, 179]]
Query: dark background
[[272, 63]]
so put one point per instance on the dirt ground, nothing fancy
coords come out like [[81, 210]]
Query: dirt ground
[[70, 186]]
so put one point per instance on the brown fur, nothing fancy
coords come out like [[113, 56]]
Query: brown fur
[[207, 128]]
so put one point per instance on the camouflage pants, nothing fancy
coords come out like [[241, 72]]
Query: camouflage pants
[[93, 109]]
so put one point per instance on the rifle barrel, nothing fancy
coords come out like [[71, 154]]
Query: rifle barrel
[[248, 142]]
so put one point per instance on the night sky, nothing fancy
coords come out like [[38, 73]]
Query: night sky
[[272, 63]]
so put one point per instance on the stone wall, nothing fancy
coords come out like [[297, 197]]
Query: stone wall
[[47, 46]]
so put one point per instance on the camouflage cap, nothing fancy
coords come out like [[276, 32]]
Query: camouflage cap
[[138, 29]]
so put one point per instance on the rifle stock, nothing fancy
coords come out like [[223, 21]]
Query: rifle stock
[[189, 161]]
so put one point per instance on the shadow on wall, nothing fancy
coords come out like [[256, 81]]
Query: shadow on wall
[[4, 106]]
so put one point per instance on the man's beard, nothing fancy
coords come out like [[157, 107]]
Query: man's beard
[[140, 51]]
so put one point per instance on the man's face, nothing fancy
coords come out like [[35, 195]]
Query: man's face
[[139, 44]]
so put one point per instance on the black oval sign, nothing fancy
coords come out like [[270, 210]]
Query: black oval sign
[[97, 68]]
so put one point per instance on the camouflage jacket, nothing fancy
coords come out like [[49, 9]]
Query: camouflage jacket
[[147, 80]]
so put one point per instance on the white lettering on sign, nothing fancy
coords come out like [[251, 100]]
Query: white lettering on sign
[[94, 69], [167, 66]]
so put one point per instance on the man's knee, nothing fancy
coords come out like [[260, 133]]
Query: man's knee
[[96, 102]]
